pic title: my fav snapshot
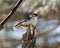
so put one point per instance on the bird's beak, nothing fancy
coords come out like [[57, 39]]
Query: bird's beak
[[18, 25]]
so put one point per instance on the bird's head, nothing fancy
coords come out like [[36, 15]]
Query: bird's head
[[32, 16], [30, 20]]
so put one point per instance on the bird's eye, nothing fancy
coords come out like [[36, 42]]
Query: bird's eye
[[29, 17]]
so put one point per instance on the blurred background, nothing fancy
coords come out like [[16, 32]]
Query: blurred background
[[48, 25]]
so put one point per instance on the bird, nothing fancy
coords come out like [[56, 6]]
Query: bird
[[29, 38]]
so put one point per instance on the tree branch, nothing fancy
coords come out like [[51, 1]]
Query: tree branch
[[10, 14]]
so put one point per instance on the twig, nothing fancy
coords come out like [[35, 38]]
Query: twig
[[10, 14]]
